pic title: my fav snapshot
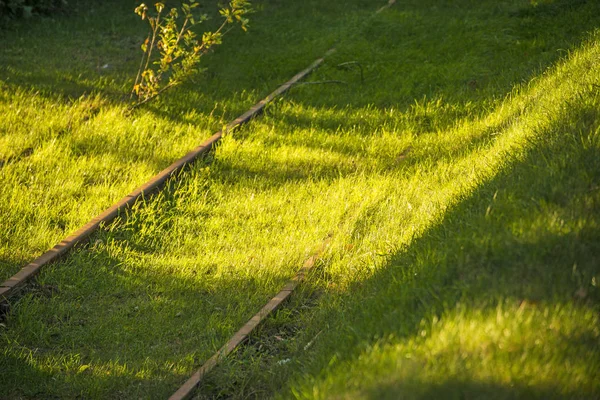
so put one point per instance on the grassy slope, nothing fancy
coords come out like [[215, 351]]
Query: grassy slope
[[403, 188]]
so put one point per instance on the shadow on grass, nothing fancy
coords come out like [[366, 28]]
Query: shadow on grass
[[407, 58], [472, 256], [15, 373], [460, 390], [115, 323], [530, 235], [459, 52]]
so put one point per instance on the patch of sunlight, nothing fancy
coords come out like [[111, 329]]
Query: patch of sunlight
[[514, 346]]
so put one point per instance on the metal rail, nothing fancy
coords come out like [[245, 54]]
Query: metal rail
[[188, 388]]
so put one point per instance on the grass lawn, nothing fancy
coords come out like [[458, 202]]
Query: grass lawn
[[457, 183]]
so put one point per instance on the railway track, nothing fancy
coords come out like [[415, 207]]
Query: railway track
[[18, 283], [188, 388]]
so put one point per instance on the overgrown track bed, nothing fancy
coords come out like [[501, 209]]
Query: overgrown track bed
[[14, 284], [69, 148], [460, 185], [190, 386]]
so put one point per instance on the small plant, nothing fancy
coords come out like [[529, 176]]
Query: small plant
[[178, 46]]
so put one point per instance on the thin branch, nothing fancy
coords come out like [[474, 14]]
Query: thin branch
[[154, 30], [182, 30], [155, 95], [353, 63], [321, 82], [169, 57], [139, 73]]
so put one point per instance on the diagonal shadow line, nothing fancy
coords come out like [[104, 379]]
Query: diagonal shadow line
[[476, 260]]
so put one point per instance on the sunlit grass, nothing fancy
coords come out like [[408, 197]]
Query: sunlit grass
[[455, 211], [511, 351]]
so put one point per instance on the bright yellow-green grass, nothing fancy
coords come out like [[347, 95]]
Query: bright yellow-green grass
[[457, 185]]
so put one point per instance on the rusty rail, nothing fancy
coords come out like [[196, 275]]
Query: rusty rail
[[11, 286], [188, 388], [385, 7]]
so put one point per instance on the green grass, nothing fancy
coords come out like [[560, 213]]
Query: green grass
[[458, 183], [69, 148]]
